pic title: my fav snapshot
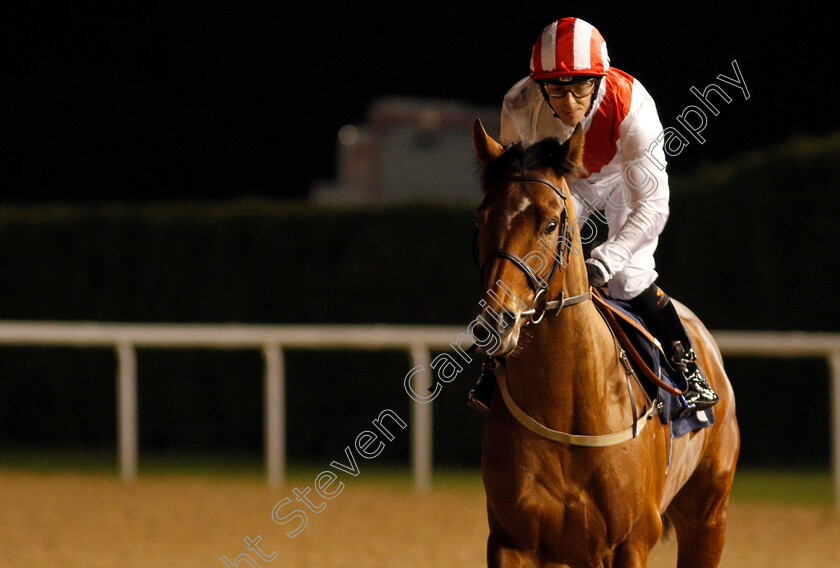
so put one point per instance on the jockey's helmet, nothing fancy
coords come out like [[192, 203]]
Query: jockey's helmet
[[567, 49]]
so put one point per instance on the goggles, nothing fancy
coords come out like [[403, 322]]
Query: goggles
[[578, 89]]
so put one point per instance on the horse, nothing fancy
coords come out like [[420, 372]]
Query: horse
[[598, 493]]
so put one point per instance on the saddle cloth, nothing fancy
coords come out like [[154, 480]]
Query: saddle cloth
[[674, 406]]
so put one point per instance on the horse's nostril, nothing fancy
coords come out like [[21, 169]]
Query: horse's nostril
[[481, 333], [509, 318], [497, 320]]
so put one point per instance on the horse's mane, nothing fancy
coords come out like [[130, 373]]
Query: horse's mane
[[519, 159]]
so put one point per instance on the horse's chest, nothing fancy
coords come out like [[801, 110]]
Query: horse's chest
[[586, 519], [573, 505]]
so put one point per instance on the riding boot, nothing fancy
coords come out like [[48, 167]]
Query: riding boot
[[661, 318], [481, 394], [699, 392]]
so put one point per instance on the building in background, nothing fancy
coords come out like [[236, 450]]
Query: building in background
[[408, 150]]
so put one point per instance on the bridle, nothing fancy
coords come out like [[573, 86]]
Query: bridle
[[540, 284]]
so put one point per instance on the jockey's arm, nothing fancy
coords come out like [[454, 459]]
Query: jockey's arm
[[644, 181], [509, 133], [516, 99]]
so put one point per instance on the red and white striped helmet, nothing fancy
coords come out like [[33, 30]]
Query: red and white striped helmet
[[567, 48]]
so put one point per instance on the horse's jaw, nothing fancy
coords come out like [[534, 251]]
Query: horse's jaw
[[500, 342]]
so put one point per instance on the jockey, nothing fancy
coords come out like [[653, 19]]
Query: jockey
[[623, 174]]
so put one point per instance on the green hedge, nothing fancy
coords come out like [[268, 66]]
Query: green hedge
[[750, 245], [244, 262]]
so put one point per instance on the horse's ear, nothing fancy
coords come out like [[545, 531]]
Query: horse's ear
[[575, 151], [486, 149]]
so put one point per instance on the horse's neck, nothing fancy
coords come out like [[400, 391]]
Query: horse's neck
[[566, 365], [560, 346]]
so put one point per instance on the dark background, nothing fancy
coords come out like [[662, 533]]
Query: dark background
[[125, 102], [206, 105]]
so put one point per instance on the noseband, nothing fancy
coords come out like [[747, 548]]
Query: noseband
[[541, 284]]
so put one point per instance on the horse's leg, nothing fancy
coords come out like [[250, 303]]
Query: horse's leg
[[634, 551], [698, 513], [501, 554]]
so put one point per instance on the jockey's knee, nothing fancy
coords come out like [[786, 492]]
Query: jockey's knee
[[631, 282]]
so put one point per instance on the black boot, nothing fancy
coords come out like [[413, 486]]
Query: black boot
[[481, 394], [661, 318], [698, 391]]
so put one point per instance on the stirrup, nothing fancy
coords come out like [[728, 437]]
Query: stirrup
[[481, 394], [474, 403]]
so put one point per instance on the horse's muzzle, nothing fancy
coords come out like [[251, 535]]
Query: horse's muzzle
[[495, 332]]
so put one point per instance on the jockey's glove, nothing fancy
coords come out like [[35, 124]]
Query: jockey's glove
[[598, 274]]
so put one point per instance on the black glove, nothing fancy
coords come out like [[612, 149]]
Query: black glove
[[598, 274]]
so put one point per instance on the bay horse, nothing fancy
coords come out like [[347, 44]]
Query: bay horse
[[550, 501]]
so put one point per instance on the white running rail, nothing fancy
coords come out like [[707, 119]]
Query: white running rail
[[417, 341]]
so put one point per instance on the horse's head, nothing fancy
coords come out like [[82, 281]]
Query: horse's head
[[524, 233]]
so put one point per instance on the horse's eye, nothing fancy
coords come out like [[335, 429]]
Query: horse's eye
[[551, 227]]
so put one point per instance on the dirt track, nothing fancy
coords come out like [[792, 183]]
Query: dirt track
[[90, 521]]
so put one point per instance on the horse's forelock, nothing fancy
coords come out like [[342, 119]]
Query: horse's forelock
[[521, 160]]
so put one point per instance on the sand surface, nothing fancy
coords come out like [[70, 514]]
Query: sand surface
[[92, 521]]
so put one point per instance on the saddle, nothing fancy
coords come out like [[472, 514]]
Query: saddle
[[650, 362], [619, 318]]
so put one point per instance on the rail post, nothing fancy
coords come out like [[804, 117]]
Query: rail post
[[421, 422], [127, 410], [834, 367], [275, 415]]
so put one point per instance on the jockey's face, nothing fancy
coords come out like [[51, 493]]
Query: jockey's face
[[571, 102]]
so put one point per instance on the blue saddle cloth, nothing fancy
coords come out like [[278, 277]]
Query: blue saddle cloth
[[673, 407]]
